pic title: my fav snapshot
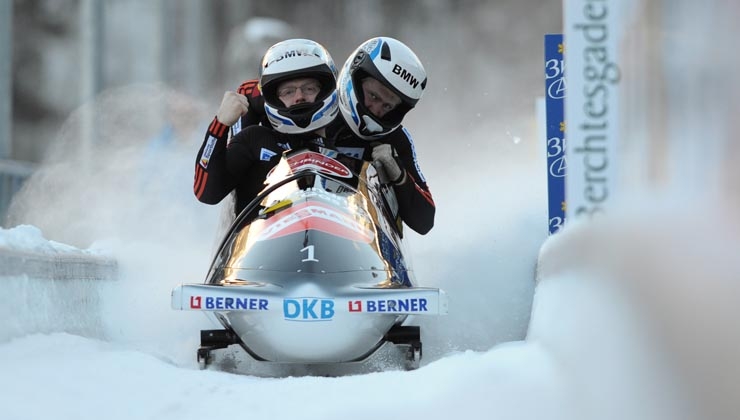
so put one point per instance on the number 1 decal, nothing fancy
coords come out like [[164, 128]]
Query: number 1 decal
[[310, 254]]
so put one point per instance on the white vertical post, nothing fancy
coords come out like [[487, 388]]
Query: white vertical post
[[6, 86]]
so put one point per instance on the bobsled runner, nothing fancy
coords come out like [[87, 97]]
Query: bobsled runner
[[313, 270]]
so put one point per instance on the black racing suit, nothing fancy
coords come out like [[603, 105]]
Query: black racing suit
[[415, 202], [253, 152], [212, 180], [242, 166]]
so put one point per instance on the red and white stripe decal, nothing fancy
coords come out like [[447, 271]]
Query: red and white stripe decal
[[314, 215]]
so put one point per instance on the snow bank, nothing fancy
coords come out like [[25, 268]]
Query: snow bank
[[639, 310], [25, 252], [50, 286]]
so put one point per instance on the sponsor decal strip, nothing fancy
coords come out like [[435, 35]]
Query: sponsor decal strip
[[318, 162], [421, 301]]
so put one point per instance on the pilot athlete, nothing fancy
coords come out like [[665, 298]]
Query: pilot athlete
[[380, 82], [300, 99]]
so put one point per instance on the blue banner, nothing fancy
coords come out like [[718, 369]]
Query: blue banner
[[555, 130]]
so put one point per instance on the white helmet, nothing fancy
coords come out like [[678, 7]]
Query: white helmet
[[296, 58], [394, 65]]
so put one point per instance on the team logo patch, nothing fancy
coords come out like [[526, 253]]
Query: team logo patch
[[318, 216], [266, 154], [318, 162], [237, 127], [208, 151]]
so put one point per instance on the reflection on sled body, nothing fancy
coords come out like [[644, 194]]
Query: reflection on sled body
[[313, 270]]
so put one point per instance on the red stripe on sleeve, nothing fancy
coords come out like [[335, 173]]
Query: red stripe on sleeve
[[217, 129], [247, 88], [424, 193], [200, 188], [198, 175]]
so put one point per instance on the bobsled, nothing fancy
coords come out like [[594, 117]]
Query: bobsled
[[313, 270]]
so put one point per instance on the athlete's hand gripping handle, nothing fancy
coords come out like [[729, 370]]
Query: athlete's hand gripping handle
[[386, 163]]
